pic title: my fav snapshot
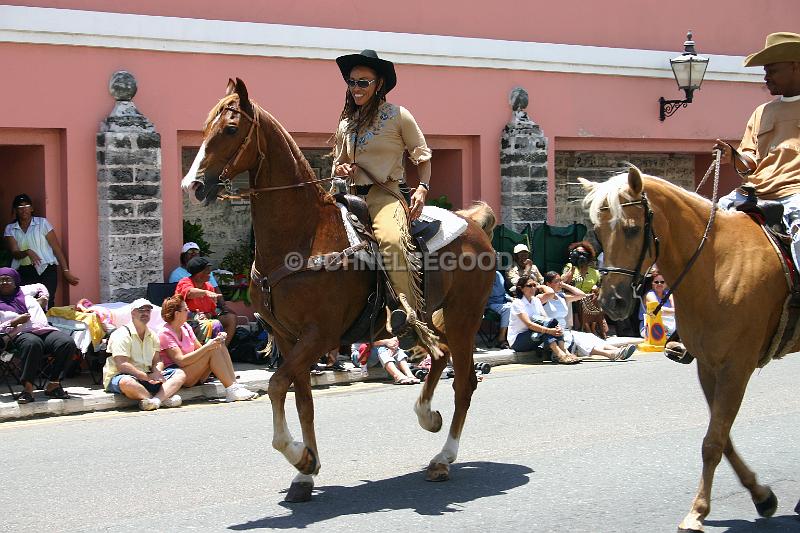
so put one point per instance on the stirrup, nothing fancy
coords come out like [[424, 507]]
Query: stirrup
[[676, 351]]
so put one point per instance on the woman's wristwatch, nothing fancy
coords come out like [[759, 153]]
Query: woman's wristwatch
[[424, 185]]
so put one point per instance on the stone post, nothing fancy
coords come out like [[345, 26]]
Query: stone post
[[523, 167], [129, 197]]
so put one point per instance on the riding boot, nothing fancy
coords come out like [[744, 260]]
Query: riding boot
[[676, 351]]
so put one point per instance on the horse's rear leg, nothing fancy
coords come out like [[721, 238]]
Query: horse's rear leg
[[464, 383], [724, 391]]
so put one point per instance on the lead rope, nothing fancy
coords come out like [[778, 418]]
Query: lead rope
[[714, 197]]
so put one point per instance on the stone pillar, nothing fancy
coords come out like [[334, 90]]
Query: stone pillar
[[523, 167], [129, 197]]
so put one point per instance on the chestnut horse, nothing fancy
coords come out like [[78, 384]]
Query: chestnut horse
[[646, 219], [309, 310]]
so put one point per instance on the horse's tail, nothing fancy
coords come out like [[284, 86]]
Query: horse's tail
[[481, 213]]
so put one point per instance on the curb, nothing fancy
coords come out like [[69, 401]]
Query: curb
[[255, 378]]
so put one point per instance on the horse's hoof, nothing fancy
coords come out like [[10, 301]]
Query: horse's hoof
[[308, 464], [797, 507], [681, 530], [299, 492], [768, 507], [437, 472], [437, 422]]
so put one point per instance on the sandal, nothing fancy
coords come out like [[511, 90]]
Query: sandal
[[504, 346], [337, 367], [57, 393], [625, 353], [568, 359], [406, 381], [25, 397]]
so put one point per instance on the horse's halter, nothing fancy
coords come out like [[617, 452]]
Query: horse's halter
[[226, 182], [648, 236]]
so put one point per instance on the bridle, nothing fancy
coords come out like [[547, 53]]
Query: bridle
[[637, 284], [648, 236], [226, 182]]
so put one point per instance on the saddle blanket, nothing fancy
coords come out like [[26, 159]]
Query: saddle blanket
[[452, 226]]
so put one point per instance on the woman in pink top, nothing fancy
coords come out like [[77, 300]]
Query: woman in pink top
[[180, 347]]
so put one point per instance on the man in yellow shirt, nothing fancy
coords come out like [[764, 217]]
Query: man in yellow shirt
[[134, 367]]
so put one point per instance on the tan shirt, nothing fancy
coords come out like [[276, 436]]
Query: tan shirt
[[773, 138], [381, 148]]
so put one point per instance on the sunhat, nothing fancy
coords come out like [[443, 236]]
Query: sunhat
[[779, 47], [521, 248], [369, 58]]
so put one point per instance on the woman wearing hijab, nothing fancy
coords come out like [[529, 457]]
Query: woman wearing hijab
[[23, 320]]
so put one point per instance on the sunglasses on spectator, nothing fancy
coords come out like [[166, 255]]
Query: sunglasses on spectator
[[530, 284], [23, 206], [6, 280], [363, 84], [662, 282]]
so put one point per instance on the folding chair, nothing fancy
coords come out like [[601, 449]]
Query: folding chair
[[9, 371], [490, 327], [158, 292]]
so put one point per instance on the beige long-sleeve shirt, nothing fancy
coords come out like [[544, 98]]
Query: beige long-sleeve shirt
[[772, 137], [380, 150]]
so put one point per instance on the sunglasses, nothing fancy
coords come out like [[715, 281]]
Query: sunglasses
[[659, 282], [363, 84], [530, 284]]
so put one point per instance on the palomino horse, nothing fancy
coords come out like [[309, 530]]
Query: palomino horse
[[309, 310], [646, 219]]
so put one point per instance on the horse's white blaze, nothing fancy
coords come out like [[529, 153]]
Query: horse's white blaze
[[449, 451], [190, 181]]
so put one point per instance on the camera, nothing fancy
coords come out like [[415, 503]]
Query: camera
[[578, 257]]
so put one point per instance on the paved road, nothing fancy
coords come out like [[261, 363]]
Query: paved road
[[599, 447]]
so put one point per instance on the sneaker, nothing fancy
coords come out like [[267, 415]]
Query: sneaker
[[237, 393], [172, 401], [149, 404], [625, 352]]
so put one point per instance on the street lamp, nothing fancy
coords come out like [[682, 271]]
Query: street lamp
[[689, 69]]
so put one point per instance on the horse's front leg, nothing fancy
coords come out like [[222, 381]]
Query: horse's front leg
[[724, 390], [301, 455], [764, 499]]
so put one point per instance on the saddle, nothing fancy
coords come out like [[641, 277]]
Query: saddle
[[422, 231]]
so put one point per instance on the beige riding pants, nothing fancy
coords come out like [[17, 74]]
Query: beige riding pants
[[391, 230]]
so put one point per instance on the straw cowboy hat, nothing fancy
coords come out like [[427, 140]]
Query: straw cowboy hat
[[369, 58], [780, 47]]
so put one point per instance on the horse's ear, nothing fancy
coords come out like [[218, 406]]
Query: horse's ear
[[231, 87], [635, 180], [244, 99], [587, 185]]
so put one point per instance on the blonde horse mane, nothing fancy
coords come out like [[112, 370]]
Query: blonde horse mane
[[217, 109], [615, 191], [481, 213]]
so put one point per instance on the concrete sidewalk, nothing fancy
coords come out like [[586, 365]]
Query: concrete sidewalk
[[87, 396]]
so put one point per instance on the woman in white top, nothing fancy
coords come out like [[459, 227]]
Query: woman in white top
[[659, 287], [35, 249], [529, 327], [556, 300]]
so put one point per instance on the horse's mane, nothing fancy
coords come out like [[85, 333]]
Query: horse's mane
[[612, 193]]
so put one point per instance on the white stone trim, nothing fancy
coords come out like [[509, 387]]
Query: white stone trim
[[69, 27]]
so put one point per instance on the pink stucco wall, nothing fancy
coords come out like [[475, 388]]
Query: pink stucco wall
[[64, 89]]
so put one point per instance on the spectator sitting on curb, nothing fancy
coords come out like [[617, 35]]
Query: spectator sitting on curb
[[189, 251], [388, 354], [523, 266], [133, 370], [181, 349], [205, 302], [500, 303], [556, 298], [529, 327]]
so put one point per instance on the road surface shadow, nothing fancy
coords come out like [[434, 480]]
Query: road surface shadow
[[469, 481], [774, 524]]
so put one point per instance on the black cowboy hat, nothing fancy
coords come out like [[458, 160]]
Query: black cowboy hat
[[369, 58]]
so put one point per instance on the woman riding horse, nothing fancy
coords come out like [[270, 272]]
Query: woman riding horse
[[297, 225], [370, 142]]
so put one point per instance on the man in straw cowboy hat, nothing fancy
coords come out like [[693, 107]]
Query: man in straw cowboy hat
[[769, 154]]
